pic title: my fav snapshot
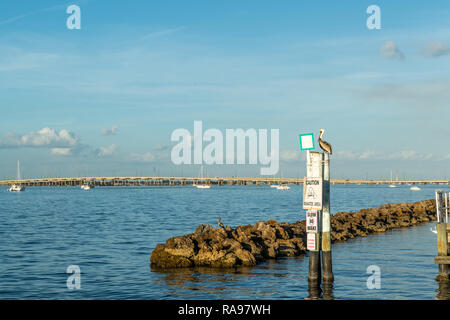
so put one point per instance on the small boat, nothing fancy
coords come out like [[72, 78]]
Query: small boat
[[434, 231], [86, 186], [17, 187], [283, 187], [414, 188], [274, 185], [202, 186]]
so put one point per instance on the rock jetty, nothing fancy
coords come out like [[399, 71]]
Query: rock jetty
[[226, 247]]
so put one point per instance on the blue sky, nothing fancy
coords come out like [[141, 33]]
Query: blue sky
[[105, 99]]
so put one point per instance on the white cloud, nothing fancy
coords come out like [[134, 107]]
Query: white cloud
[[410, 155], [389, 50], [60, 143], [45, 137], [61, 151], [345, 155], [145, 157], [372, 155], [161, 147], [367, 155], [436, 49], [107, 151], [110, 132], [289, 155]]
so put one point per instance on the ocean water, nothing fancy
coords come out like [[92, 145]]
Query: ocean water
[[110, 232]]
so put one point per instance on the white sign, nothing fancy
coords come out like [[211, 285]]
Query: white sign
[[311, 241], [312, 193], [311, 221], [307, 141]]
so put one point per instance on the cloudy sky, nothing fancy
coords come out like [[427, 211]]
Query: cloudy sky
[[105, 99]]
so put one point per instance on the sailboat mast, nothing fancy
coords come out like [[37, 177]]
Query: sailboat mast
[[18, 170]]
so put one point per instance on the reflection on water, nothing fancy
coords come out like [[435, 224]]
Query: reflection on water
[[317, 291], [314, 291], [201, 279], [328, 291], [220, 282], [443, 291]]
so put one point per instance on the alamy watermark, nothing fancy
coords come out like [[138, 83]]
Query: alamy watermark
[[74, 281], [374, 20], [190, 150], [74, 20], [374, 280]]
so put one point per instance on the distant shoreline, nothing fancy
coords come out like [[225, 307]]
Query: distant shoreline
[[188, 181]]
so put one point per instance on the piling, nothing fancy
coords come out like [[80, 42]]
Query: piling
[[442, 259], [327, 264], [443, 237], [314, 168]]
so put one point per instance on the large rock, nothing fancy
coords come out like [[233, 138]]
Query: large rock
[[226, 247]]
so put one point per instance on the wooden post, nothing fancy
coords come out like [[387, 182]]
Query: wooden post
[[442, 229], [314, 168], [446, 208], [327, 264], [439, 205], [442, 242]]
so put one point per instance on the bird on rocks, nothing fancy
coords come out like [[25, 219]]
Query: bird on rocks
[[220, 223], [325, 146]]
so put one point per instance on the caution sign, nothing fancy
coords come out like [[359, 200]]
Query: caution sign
[[312, 221], [311, 241], [312, 193]]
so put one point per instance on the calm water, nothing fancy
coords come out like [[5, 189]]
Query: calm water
[[110, 232]]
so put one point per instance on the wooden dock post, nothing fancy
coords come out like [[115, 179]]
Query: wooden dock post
[[443, 258], [314, 168], [327, 264], [443, 238]]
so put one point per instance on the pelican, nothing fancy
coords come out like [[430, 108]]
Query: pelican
[[325, 146]]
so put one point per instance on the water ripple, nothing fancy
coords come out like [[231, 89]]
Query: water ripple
[[110, 232]]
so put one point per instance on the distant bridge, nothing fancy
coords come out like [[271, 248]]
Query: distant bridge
[[180, 181]]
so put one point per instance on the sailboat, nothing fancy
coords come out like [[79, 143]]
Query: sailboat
[[203, 185], [392, 185], [282, 186], [407, 183], [17, 187]]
